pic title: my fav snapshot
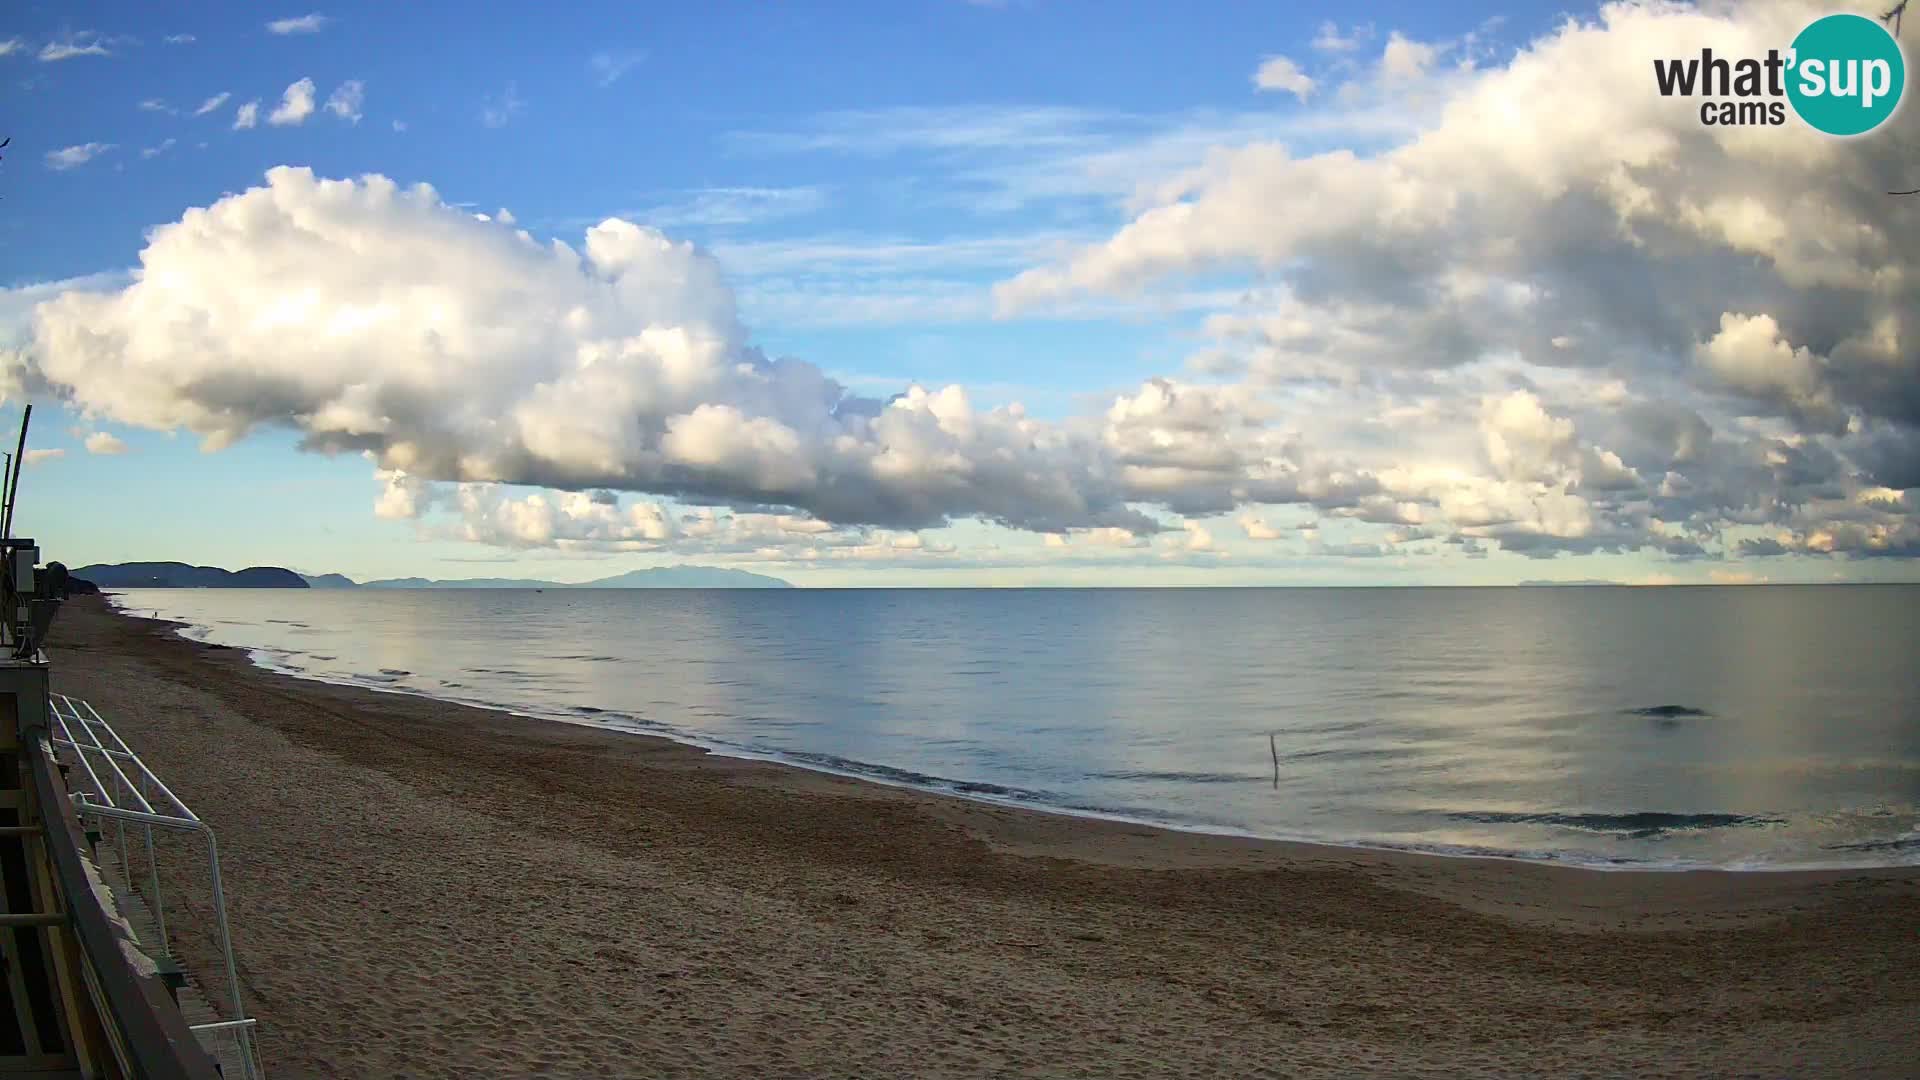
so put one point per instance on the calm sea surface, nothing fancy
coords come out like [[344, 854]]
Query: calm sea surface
[[1745, 727]]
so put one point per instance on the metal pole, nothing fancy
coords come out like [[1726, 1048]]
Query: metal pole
[[220, 917], [222, 1025], [85, 806], [13, 486], [159, 905]]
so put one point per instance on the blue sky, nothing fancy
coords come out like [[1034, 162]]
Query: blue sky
[[869, 178]]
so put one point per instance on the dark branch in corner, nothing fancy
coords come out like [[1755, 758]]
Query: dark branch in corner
[[1892, 18]]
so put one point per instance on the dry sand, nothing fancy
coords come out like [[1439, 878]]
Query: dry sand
[[422, 889]]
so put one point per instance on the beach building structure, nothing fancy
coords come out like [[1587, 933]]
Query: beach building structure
[[89, 987]]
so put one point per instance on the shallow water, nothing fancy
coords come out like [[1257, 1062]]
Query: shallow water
[[1738, 727]]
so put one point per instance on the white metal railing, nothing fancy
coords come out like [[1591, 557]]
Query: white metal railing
[[119, 787]]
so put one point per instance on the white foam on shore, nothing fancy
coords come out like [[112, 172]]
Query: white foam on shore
[[281, 662]]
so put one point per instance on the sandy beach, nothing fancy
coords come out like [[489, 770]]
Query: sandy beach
[[424, 889]]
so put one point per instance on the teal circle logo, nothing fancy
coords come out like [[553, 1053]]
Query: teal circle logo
[[1847, 74]]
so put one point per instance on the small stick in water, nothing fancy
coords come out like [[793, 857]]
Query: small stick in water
[[1275, 749]]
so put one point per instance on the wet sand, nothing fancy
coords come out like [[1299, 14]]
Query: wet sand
[[424, 889]]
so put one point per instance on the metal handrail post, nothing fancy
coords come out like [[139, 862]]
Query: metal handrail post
[[220, 918], [159, 904]]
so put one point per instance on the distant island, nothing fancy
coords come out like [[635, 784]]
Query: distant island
[[174, 575]]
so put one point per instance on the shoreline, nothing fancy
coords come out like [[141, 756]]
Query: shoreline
[[426, 888], [946, 786]]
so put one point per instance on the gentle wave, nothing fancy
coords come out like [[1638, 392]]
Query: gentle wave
[[1904, 843], [1181, 777], [1640, 825], [1669, 712]]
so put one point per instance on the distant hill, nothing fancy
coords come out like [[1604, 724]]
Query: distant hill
[[174, 575], [658, 577], [687, 577], [462, 583]]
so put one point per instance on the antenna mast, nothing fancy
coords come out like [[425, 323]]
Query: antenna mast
[[1892, 18], [13, 482]]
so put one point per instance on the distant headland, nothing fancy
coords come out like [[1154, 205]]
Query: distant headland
[[175, 575]]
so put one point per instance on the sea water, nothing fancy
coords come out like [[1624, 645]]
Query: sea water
[[1744, 727]]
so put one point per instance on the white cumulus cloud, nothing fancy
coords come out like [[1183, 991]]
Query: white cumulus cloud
[[1596, 323], [1330, 39], [72, 157], [1280, 73], [1405, 59], [607, 66], [617, 364], [500, 111], [85, 43], [346, 100], [296, 104], [1559, 317], [300, 24]]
